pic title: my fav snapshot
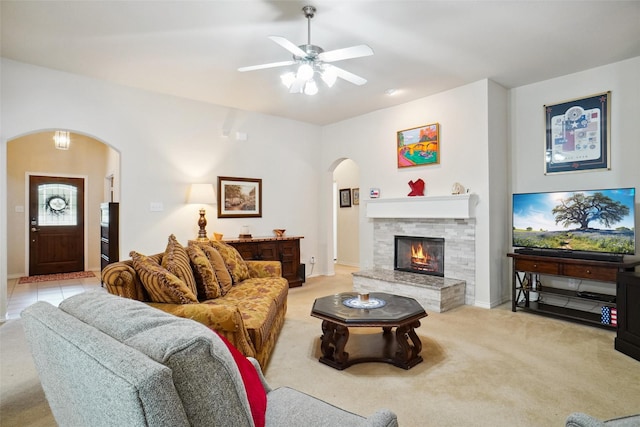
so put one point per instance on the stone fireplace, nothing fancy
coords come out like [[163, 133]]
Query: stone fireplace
[[449, 218]]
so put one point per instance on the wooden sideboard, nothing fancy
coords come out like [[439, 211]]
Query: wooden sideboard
[[283, 249], [528, 291]]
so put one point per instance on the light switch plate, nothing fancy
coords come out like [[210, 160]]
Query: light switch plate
[[156, 207]]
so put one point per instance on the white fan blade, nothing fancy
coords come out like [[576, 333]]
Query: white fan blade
[[289, 46], [346, 53], [350, 77], [263, 66]]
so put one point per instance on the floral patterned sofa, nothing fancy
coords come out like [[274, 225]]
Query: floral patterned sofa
[[245, 301]]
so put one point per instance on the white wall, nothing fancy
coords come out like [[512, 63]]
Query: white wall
[[527, 129], [166, 143], [347, 175], [466, 157], [498, 233]]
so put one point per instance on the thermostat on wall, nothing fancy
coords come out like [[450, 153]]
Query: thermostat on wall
[[374, 193]]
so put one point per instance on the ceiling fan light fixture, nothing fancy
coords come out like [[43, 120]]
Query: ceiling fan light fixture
[[311, 60], [305, 72], [329, 76], [311, 88], [288, 79]]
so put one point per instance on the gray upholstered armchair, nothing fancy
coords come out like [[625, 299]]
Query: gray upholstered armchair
[[579, 419], [107, 360]]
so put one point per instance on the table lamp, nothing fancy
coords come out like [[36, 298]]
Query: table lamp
[[202, 194]]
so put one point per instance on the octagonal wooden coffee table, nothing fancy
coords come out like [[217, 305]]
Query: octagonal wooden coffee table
[[343, 311]]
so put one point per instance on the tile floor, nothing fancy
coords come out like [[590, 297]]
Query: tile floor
[[23, 295]]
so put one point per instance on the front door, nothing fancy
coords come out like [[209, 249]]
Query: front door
[[56, 225]]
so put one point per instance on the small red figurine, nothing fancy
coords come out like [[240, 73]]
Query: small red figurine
[[417, 187]]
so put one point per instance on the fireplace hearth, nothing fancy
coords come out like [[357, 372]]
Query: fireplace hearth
[[422, 255]]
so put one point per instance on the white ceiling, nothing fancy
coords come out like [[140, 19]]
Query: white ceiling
[[192, 49]]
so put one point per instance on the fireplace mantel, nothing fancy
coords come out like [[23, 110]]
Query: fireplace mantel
[[459, 206]]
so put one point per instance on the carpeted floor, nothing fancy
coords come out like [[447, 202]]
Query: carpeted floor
[[481, 368], [59, 276]]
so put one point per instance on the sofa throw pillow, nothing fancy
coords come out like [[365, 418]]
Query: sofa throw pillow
[[161, 285], [176, 261], [256, 395], [206, 282], [234, 261], [220, 268]]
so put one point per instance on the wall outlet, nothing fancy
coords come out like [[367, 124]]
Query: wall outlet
[[573, 283], [313, 260]]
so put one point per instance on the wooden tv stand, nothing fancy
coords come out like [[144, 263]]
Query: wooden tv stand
[[526, 280]]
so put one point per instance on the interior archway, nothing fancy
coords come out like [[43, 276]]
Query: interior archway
[[34, 153], [346, 212]]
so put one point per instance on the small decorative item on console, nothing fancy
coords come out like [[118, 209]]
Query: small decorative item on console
[[279, 232], [244, 232], [457, 188]]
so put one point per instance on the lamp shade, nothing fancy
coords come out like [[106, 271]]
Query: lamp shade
[[202, 194]]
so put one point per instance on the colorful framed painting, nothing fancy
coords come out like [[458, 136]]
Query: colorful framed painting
[[419, 146], [577, 135], [239, 197]]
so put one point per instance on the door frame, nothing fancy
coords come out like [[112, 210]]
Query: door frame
[[85, 244]]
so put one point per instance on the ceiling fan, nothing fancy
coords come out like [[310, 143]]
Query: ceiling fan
[[312, 60]]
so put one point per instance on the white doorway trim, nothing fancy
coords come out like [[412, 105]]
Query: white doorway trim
[[334, 211]]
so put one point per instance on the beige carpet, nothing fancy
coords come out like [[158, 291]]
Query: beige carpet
[[481, 368]]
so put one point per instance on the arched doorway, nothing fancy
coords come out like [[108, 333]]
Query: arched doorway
[[34, 154], [346, 213]]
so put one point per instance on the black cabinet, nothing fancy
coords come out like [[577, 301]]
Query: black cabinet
[[109, 225], [628, 298]]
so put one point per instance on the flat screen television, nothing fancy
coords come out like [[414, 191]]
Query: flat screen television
[[589, 224]]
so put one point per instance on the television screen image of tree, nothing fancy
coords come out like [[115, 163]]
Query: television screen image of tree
[[594, 221], [580, 209]]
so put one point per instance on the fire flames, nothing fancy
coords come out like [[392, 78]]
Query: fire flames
[[417, 253], [421, 260]]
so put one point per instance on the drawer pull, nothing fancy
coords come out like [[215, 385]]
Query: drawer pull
[[535, 265], [588, 271]]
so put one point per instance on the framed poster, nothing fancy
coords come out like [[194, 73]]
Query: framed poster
[[355, 196], [345, 197], [239, 197], [419, 146], [577, 135]]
